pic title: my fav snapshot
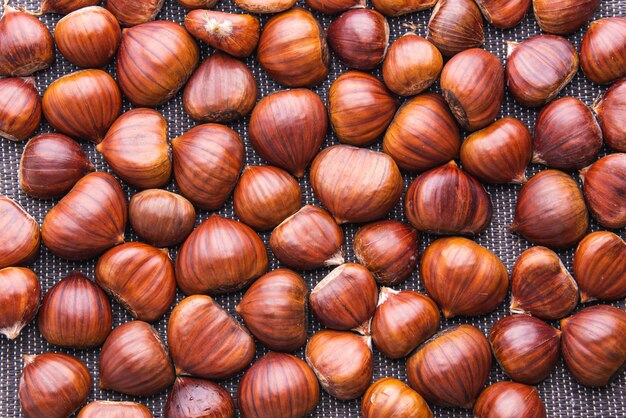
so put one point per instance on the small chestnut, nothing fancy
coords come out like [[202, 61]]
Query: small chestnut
[[611, 112], [20, 292], [265, 6], [390, 397], [20, 232], [603, 50], [502, 399], [20, 108], [333, 7], [604, 187], [235, 34], [563, 17], [197, 4], [111, 409], [198, 398], [131, 13], [504, 14], [402, 7], [455, 25]]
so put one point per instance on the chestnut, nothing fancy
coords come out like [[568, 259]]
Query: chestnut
[[53, 385], [20, 292], [333, 7], [20, 108], [463, 277], [345, 299], [293, 49], [563, 17], [20, 231], [551, 211], [207, 161], [342, 361], [132, 13], [265, 196], [411, 65], [538, 68], [356, 184], [401, 7], [134, 361], [274, 309], [603, 50], [600, 267], [526, 348], [196, 397], [360, 108], [501, 399], [113, 409], [265, 6], [308, 239], [594, 344], [75, 313], [604, 187], [235, 34], [451, 368], [423, 134], [611, 111], [402, 321], [390, 397], [51, 164], [498, 153], [220, 255], [64, 6], [221, 90], [287, 128], [139, 277], [431, 202], [205, 341], [278, 385], [197, 4], [455, 25], [359, 37], [504, 14], [388, 249]]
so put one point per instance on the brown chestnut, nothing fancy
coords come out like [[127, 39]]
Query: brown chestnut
[[333, 7], [604, 186], [504, 14], [265, 6], [563, 17], [197, 4], [131, 13], [19, 299], [111, 409], [455, 25], [603, 50], [20, 108], [611, 112], [196, 397], [401, 7], [235, 34], [502, 399], [20, 232], [64, 6], [390, 397]]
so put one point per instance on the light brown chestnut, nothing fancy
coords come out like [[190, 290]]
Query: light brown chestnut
[[53, 385], [342, 361], [220, 255], [196, 397], [498, 153], [197, 4], [541, 285], [538, 68], [401, 7], [411, 65], [333, 7], [356, 184], [501, 399], [451, 368], [391, 397], [563, 17], [359, 38], [112, 409], [235, 34], [207, 161], [221, 90], [551, 211], [265, 196], [26, 44], [287, 128], [20, 108], [603, 50], [161, 218], [132, 13], [274, 309], [64, 6], [403, 320], [139, 277], [19, 299], [594, 344], [475, 101], [205, 341], [308, 239], [345, 299], [51, 164], [463, 277], [88, 37], [600, 267], [526, 348], [611, 112], [388, 249], [455, 25], [90, 219], [265, 6], [423, 134], [278, 377], [432, 202], [604, 186], [154, 61], [293, 49], [360, 108], [83, 104], [21, 238], [504, 14], [75, 313]]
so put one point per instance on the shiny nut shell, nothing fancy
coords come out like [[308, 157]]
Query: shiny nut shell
[[604, 186], [131, 13], [20, 108], [264, 6], [401, 7], [455, 25], [65, 6], [563, 17], [504, 14], [333, 7], [20, 292], [391, 397], [112, 409], [603, 50], [501, 399], [21, 241], [197, 397], [611, 111]]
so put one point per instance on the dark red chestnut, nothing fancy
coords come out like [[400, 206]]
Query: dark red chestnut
[[603, 50], [604, 186], [563, 16], [20, 108], [22, 239], [611, 112], [504, 14], [20, 292], [502, 399], [390, 397], [455, 25], [191, 397]]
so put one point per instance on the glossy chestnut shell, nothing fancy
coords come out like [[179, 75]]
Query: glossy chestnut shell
[[20, 108], [563, 17], [455, 25], [235, 34], [112, 409], [197, 397], [21, 231], [389, 397], [20, 292], [611, 111], [504, 14], [604, 187], [603, 50], [500, 399]]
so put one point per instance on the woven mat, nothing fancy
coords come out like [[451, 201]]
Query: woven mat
[[562, 395]]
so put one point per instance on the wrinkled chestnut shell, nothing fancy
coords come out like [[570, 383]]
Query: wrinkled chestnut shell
[[455, 25], [604, 186], [603, 50], [75, 313], [131, 13], [235, 34], [504, 14], [19, 299], [401, 7], [451, 368], [423, 134], [600, 267], [611, 111], [390, 397], [356, 184], [526, 348], [594, 344], [463, 277], [333, 7], [111, 409], [278, 376], [20, 108], [20, 245], [563, 17], [551, 211], [388, 249], [502, 399], [447, 201], [196, 397], [65, 6]]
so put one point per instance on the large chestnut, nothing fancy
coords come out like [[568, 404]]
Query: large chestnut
[[21, 238], [20, 292], [235, 34], [501, 399], [563, 17], [198, 398], [112, 409], [504, 14], [20, 108], [131, 13], [604, 186], [401, 7], [603, 50], [390, 397], [611, 112], [455, 25]]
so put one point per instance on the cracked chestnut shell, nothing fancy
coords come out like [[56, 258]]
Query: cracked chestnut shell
[[563, 17], [235, 34], [501, 399], [192, 397], [604, 187], [20, 292], [611, 112], [455, 25], [20, 108], [132, 13], [504, 14], [21, 238], [111, 409], [390, 397], [603, 50]]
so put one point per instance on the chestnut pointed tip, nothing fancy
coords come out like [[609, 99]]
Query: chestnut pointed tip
[[336, 260], [584, 298], [99, 147], [28, 359], [510, 46], [583, 172], [452, 163], [12, 332], [447, 313], [521, 179], [538, 159], [514, 227]]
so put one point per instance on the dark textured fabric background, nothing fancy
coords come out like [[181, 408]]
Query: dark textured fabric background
[[562, 395]]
